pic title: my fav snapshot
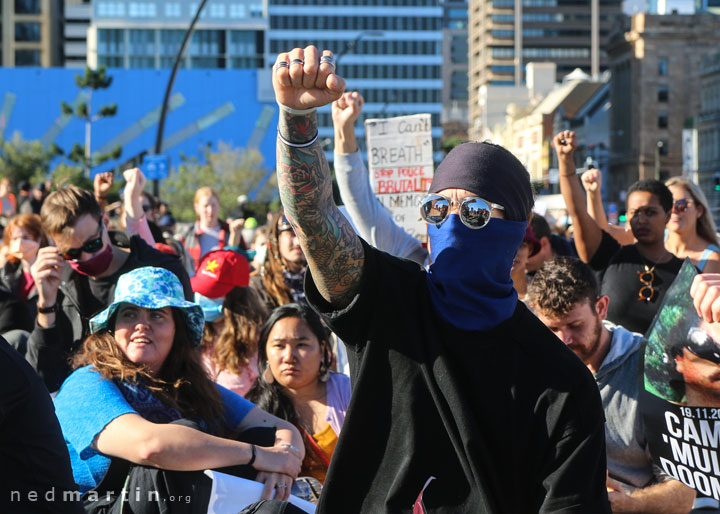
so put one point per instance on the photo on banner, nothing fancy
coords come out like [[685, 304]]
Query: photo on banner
[[681, 399]]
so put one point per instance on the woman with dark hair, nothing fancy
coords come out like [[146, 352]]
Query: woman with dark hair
[[635, 277], [296, 384], [280, 279], [234, 314], [140, 396]]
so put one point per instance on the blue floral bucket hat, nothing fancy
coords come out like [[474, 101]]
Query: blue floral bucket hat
[[153, 288]]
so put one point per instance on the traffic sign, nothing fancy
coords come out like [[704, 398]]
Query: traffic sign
[[156, 167]]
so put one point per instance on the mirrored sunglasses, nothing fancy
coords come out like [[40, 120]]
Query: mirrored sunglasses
[[475, 212]]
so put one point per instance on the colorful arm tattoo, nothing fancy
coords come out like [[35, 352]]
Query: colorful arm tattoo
[[333, 250]]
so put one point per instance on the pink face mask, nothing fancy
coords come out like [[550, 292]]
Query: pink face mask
[[25, 249], [96, 265]]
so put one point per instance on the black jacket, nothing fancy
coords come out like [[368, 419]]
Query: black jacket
[[49, 349], [10, 277], [507, 420]]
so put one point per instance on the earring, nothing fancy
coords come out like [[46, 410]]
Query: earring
[[268, 376], [323, 372]]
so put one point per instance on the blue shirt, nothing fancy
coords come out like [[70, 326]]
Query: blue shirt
[[88, 402]]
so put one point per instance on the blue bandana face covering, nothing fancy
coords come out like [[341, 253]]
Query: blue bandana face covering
[[469, 278], [211, 307]]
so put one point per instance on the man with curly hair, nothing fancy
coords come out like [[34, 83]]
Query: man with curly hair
[[566, 297]]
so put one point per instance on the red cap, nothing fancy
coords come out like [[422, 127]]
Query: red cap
[[219, 272]]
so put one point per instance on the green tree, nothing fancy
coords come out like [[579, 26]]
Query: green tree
[[91, 81], [25, 160], [450, 143], [229, 171]]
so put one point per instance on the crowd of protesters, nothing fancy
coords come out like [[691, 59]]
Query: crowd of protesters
[[232, 344]]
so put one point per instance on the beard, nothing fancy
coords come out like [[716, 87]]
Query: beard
[[589, 345]]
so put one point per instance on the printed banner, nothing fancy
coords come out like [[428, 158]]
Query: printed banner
[[681, 402], [400, 161]]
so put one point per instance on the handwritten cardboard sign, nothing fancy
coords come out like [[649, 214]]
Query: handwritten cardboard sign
[[400, 161]]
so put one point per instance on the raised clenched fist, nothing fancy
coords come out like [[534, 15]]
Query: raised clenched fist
[[304, 79]]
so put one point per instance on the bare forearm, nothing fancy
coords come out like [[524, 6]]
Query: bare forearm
[[333, 251], [671, 497], [587, 232], [596, 210], [570, 187], [180, 448]]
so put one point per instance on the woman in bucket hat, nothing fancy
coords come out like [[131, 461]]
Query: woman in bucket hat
[[140, 399]]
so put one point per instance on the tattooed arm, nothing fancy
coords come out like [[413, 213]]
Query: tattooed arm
[[333, 250]]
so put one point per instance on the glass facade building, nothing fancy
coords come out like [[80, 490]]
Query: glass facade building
[[148, 34], [391, 51]]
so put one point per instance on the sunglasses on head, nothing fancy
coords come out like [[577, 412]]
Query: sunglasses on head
[[284, 225], [475, 212], [681, 205], [90, 246], [702, 345]]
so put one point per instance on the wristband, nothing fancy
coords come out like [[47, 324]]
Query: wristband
[[48, 310], [298, 145], [296, 111], [254, 454]]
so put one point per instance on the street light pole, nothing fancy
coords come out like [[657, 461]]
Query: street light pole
[[350, 45], [168, 90], [658, 148]]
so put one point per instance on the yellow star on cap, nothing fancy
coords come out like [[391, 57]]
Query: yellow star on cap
[[212, 266]]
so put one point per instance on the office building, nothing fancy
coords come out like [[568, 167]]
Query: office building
[[655, 91], [455, 68], [388, 50], [30, 33], [230, 34], [78, 15], [708, 132], [506, 35]]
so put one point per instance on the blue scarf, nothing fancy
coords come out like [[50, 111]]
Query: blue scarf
[[469, 278]]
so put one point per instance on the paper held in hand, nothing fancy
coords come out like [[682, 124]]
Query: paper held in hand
[[230, 495]]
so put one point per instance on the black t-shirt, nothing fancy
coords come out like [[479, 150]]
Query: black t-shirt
[[618, 268], [507, 420], [35, 470]]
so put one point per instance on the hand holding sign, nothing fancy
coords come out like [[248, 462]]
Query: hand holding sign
[[705, 292], [301, 81]]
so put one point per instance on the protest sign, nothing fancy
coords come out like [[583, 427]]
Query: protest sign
[[400, 161], [681, 401]]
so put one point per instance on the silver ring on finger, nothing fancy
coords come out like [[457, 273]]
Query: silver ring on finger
[[292, 447], [297, 61], [280, 486], [328, 59], [281, 64]]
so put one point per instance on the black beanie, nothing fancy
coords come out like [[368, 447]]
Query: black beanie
[[491, 172]]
